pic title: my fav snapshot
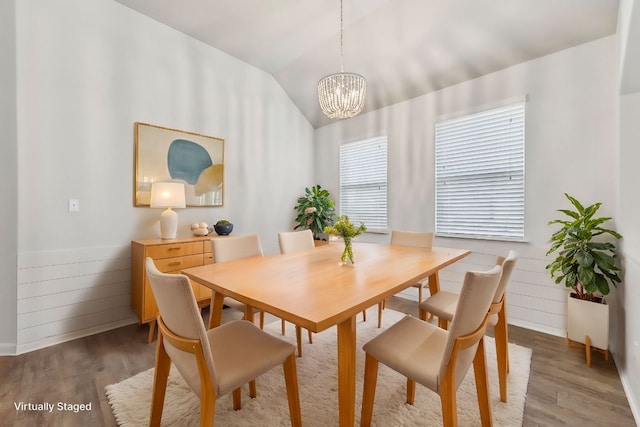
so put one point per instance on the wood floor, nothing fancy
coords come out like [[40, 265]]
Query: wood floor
[[562, 391]]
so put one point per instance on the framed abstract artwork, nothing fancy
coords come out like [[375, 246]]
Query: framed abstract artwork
[[171, 155]]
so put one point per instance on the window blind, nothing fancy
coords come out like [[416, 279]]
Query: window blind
[[363, 182], [479, 165]]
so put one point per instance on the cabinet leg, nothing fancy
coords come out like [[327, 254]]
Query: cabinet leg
[[152, 329]]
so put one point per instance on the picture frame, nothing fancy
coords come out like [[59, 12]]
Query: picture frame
[[164, 154]]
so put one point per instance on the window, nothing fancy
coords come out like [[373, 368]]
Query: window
[[480, 174], [363, 182]]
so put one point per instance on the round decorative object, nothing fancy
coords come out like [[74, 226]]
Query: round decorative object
[[223, 229], [200, 232]]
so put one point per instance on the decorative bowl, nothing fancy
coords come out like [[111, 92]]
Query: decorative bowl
[[223, 229]]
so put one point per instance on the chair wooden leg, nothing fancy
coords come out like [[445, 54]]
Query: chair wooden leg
[[502, 354], [442, 323], [380, 304], [448, 403], [364, 315], [482, 385], [503, 314], [237, 399], [282, 326], [262, 320], [411, 391], [253, 392], [368, 389], [207, 408], [422, 314], [310, 336], [419, 294], [299, 340], [293, 396], [163, 365]]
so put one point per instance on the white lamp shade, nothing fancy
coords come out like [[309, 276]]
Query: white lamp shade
[[167, 195]]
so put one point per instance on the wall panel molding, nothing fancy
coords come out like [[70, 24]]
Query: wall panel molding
[[68, 294]]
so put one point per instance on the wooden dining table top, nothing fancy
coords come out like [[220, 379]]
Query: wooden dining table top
[[314, 289]]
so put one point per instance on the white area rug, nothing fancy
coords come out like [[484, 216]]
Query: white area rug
[[317, 377]]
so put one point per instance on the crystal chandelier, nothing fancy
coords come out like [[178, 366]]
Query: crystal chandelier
[[341, 95]]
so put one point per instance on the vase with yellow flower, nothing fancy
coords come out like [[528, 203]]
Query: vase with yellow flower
[[346, 230]]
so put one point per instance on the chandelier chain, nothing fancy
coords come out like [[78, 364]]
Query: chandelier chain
[[342, 95], [341, 43]]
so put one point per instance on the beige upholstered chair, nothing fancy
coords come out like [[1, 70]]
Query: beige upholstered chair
[[296, 241], [409, 238], [434, 357], [216, 361], [233, 248], [443, 305]]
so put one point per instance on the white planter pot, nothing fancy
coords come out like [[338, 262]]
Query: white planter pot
[[587, 318]]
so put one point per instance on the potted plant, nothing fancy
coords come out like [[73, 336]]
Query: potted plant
[[223, 227], [586, 263], [345, 229], [315, 211]]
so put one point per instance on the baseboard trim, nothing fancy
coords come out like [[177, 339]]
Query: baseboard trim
[[59, 339], [7, 349], [539, 328], [628, 391]]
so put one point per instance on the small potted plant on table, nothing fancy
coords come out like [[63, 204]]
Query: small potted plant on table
[[588, 267]]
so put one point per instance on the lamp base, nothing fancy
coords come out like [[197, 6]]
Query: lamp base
[[168, 224]]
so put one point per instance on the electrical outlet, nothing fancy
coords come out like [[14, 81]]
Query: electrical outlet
[[74, 205]]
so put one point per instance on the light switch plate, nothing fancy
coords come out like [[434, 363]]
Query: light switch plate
[[74, 205]]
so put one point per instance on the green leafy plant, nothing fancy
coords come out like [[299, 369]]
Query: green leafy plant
[[222, 222], [315, 210], [345, 229], [585, 265]]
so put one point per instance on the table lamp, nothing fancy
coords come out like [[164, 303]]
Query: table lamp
[[168, 195]]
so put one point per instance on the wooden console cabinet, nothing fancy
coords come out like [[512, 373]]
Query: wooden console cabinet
[[170, 256]]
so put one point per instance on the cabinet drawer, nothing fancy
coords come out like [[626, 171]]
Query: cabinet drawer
[[174, 250], [169, 265], [208, 252]]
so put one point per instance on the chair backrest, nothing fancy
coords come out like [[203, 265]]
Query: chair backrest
[[507, 264], [179, 311], [232, 248], [411, 238], [475, 298], [295, 241]]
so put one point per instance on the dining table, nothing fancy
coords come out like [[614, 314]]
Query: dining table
[[315, 290]]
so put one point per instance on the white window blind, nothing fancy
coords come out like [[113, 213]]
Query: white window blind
[[363, 182], [480, 174]]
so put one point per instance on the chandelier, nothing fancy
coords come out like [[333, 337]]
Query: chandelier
[[341, 95]]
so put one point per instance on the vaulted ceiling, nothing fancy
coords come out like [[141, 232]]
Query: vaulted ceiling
[[404, 48]]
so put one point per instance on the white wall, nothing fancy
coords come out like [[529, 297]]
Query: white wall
[[87, 70], [625, 340], [8, 178], [571, 128]]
